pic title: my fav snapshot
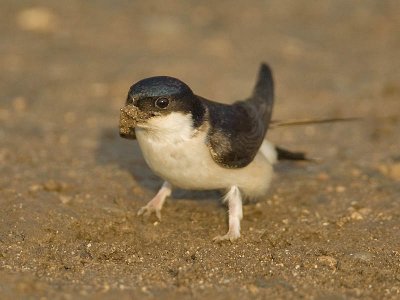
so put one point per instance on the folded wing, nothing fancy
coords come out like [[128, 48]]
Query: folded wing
[[238, 130]]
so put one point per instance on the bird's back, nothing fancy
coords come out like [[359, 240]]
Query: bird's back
[[238, 130]]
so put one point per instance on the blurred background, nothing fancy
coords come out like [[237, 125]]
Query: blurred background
[[67, 179], [74, 63]]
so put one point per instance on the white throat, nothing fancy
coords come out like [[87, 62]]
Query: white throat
[[174, 127]]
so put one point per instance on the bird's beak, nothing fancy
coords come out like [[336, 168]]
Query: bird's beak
[[129, 116]]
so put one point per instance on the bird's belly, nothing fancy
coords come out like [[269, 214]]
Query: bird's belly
[[189, 165]]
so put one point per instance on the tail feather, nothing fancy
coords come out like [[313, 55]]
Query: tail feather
[[284, 154], [275, 153]]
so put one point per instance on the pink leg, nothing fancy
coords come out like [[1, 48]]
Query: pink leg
[[234, 199], [156, 204]]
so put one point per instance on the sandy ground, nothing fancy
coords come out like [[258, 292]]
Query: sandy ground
[[70, 187]]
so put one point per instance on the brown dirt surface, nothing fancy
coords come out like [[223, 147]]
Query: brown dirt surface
[[70, 187]]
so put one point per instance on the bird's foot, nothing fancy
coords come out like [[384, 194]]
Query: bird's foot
[[155, 205], [148, 209], [231, 236]]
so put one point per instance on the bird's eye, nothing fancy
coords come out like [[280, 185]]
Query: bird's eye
[[162, 103]]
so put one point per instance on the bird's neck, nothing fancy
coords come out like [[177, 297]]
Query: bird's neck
[[175, 127]]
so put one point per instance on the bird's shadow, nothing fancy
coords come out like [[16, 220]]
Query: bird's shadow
[[112, 149]]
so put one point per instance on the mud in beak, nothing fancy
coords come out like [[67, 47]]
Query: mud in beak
[[129, 116]]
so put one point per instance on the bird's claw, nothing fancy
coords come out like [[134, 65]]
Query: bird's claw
[[147, 210], [230, 236]]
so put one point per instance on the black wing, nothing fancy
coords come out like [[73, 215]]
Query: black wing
[[238, 130]]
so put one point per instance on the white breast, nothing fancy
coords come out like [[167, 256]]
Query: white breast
[[179, 154]]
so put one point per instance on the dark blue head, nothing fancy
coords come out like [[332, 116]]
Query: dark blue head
[[162, 95], [159, 86]]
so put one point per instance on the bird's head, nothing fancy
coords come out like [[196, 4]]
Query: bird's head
[[160, 103]]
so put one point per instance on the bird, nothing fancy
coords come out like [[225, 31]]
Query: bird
[[198, 144]]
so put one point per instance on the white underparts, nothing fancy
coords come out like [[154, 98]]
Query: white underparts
[[269, 151]]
